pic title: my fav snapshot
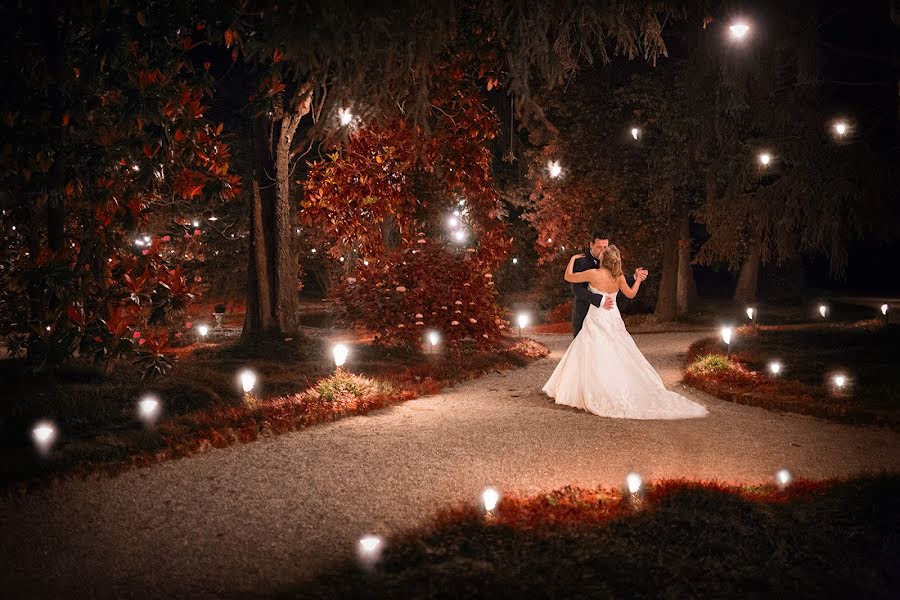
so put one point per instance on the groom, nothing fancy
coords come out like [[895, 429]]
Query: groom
[[583, 297]]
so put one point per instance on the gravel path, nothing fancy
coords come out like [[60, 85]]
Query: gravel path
[[253, 519]]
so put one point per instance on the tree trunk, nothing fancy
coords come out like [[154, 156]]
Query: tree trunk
[[666, 302], [686, 288], [272, 273], [746, 285]]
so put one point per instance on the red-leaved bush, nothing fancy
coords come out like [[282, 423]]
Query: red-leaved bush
[[421, 288]]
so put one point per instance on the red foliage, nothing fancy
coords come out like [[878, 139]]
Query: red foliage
[[421, 288]]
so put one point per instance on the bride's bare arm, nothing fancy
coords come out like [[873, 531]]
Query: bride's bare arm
[[630, 291], [582, 277]]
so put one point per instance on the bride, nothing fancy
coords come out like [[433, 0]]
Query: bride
[[603, 371]]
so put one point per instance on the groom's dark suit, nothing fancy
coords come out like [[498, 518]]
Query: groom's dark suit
[[583, 296]]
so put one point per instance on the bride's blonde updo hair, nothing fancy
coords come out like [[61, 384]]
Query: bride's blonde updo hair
[[612, 260]]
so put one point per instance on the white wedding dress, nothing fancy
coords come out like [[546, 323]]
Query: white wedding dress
[[603, 372]]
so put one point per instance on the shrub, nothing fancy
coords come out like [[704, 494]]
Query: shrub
[[343, 385], [420, 288]]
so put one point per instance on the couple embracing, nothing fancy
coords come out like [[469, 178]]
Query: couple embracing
[[603, 371]]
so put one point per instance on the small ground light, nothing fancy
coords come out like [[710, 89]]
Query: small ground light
[[839, 380], [203, 330], [775, 367], [823, 310], [248, 380], [345, 116], [148, 409], [765, 158], [726, 333], [340, 352], [522, 321], [840, 128], [783, 477], [490, 497], [750, 312], [635, 132], [453, 221], [44, 435], [633, 480], [884, 309], [459, 235], [515, 261], [369, 548]]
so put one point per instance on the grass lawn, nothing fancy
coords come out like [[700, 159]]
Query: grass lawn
[[203, 405], [865, 352], [684, 540]]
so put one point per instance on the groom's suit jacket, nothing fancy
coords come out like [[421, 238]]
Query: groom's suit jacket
[[583, 297]]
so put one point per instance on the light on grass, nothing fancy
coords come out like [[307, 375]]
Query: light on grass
[[775, 367], [340, 352], [554, 168], [248, 380], [635, 133], [634, 482], [726, 333], [739, 30], [148, 410], [490, 497], [44, 435], [823, 310], [783, 477]]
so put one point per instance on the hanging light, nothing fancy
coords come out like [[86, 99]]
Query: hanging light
[[739, 30]]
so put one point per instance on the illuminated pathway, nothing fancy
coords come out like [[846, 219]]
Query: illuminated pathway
[[255, 518]]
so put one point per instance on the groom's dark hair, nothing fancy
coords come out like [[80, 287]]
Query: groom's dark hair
[[599, 235]]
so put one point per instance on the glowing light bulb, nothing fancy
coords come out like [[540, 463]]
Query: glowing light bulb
[[515, 261], [248, 380], [453, 221], [345, 116], [739, 30], [366, 263], [765, 158], [840, 380], [726, 333], [148, 409], [490, 497], [554, 168], [635, 132], [522, 320], [459, 235], [750, 312], [783, 477], [840, 128], [775, 367], [340, 352], [369, 543], [43, 434], [884, 309], [433, 338], [633, 480], [203, 330], [195, 223], [823, 310]]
